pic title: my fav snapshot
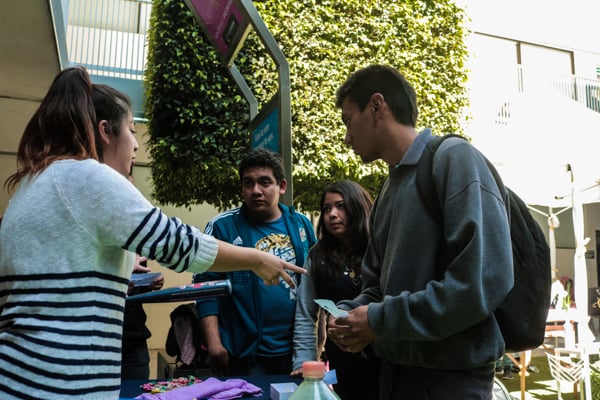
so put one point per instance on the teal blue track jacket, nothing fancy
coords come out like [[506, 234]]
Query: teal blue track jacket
[[240, 315]]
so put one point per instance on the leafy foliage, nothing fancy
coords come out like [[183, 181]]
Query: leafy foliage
[[198, 119]]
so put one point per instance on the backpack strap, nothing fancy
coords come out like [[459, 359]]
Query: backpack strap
[[430, 197], [425, 185]]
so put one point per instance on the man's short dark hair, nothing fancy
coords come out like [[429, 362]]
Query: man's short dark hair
[[393, 86], [263, 158]]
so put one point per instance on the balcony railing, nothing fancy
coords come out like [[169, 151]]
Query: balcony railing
[[585, 91], [108, 37]]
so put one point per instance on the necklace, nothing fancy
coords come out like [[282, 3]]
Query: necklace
[[353, 273]]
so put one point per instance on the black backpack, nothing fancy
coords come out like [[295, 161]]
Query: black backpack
[[184, 321], [523, 312]]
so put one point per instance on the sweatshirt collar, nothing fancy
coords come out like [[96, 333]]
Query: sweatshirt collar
[[413, 155]]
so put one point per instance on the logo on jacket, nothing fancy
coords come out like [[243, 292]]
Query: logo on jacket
[[280, 245], [302, 234]]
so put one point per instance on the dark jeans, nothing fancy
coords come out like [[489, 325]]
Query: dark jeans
[[411, 383], [358, 384], [278, 365], [136, 360]]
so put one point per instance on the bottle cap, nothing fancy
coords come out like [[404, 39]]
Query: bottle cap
[[313, 369]]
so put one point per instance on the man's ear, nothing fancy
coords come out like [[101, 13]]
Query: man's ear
[[104, 129], [282, 186], [377, 102]]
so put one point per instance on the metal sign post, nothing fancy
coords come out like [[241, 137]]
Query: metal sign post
[[227, 23]]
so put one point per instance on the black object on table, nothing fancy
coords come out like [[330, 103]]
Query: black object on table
[[132, 388], [184, 293]]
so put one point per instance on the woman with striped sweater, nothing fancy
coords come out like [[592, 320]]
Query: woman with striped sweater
[[64, 244]]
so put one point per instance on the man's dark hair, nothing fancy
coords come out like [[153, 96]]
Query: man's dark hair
[[263, 158], [393, 86]]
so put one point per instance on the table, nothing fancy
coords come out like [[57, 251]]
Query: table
[[130, 389]]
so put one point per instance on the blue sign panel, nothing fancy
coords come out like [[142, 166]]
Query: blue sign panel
[[266, 133]]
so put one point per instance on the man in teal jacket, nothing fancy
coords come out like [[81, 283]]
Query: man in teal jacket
[[250, 332]]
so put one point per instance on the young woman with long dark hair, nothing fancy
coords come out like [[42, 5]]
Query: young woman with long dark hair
[[334, 272]]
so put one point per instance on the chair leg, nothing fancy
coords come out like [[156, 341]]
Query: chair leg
[[521, 364], [559, 395]]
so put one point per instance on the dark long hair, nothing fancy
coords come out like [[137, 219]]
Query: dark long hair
[[112, 106], [330, 254], [61, 128]]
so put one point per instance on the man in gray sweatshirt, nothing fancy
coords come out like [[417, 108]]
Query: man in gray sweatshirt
[[430, 287]]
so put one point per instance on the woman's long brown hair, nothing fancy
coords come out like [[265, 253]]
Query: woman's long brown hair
[[61, 128], [330, 254]]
